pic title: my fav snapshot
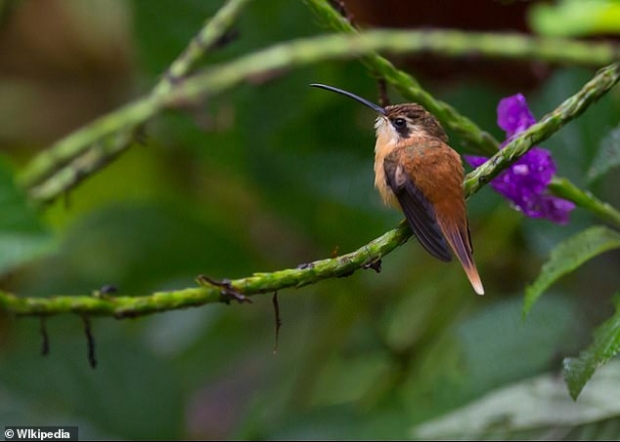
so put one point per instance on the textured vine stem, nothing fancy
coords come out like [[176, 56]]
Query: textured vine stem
[[45, 184], [112, 134], [85, 151], [570, 109], [409, 87], [316, 271], [209, 36], [565, 189], [127, 306]]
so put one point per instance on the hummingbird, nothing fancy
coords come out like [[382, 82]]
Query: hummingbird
[[417, 172]]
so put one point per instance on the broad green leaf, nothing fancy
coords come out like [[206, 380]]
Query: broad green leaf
[[607, 157], [481, 355], [607, 429], [537, 405], [492, 337], [569, 255], [576, 17], [606, 345], [22, 236]]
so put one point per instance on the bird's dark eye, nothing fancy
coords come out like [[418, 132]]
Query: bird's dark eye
[[399, 123]]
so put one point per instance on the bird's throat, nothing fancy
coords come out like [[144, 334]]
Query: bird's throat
[[387, 140]]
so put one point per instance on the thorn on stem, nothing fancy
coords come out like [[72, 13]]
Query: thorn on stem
[[339, 6], [105, 291], [173, 80], [108, 289], [226, 38], [90, 341], [375, 265], [226, 290], [276, 308], [45, 339]]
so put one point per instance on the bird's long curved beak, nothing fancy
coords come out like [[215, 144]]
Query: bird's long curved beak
[[370, 104]]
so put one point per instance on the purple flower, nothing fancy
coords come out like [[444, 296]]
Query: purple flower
[[525, 182]]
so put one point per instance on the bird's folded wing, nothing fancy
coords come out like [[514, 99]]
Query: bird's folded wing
[[417, 209]]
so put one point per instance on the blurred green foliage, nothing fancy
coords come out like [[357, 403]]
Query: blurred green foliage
[[269, 176], [576, 17], [22, 236]]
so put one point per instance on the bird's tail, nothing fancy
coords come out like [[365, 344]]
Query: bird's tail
[[461, 245]]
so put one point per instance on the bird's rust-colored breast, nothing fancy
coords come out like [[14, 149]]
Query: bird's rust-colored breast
[[433, 166]]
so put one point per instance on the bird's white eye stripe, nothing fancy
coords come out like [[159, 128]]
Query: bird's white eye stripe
[[379, 121]]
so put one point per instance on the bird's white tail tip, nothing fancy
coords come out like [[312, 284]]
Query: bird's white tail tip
[[478, 288]]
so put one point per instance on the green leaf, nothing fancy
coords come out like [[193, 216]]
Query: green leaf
[[607, 157], [22, 236], [606, 345], [569, 255], [489, 356], [534, 409], [602, 430]]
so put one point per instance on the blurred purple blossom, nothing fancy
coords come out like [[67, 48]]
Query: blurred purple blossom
[[525, 182]]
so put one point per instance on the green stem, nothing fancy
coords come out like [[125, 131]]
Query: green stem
[[73, 173], [108, 130], [309, 51], [565, 189], [115, 130], [105, 130], [408, 86], [455, 43], [312, 50], [557, 50], [570, 109], [340, 266], [128, 306], [208, 37]]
